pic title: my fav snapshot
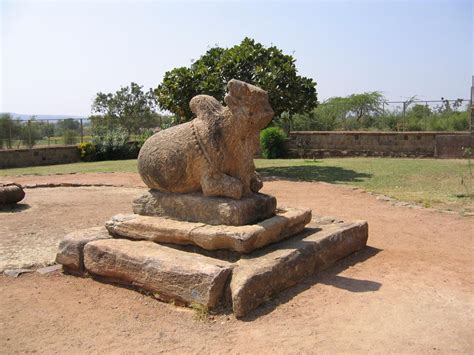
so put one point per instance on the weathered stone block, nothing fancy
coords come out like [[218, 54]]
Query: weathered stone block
[[172, 274], [11, 193], [196, 207], [71, 248], [243, 239], [272, 269]]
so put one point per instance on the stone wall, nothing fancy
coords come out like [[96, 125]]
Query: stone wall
[[15, 158], [396, 144]]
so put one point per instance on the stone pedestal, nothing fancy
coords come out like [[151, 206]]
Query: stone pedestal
[[195, 207], [269, 262]]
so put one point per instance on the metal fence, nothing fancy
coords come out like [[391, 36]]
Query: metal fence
[[17, 134], [433, 106], [411, 114]]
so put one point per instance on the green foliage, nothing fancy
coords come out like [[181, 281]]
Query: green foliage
[[30, 132], [87, 151], [128, 108], [142, 137], [113, 145], [9, 128], [367, 111], [249, 61], [272, 141], [68, 124]]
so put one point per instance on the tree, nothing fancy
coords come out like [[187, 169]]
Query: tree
[[249, 61], [366, 104], [9, 129], [130, 108], [68, 124]]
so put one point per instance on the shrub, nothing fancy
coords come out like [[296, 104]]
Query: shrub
[[144, 135], [114, 145], [272, 140], [87, 151]]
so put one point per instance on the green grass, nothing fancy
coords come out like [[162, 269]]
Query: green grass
[[126, 166], [431, 182]]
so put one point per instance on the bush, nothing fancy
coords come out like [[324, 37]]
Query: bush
[[141, 139], [87, 151], [114, 145], [272, 141]]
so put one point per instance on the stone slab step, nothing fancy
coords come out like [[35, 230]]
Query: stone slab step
[[243, 239], [170, 273], [195, 207], [263, 274]]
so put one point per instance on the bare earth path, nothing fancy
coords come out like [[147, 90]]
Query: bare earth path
[[410, 291]]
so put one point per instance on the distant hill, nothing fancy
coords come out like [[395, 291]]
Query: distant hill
[[24, 117]]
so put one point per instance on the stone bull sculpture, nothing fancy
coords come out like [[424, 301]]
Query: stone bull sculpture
[[214, 152]]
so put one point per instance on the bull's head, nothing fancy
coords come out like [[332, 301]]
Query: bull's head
[[249, 105]]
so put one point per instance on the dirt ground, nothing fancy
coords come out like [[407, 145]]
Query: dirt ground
[[409, 291]]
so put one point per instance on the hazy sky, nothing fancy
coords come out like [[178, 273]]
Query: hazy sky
[[55, 55]]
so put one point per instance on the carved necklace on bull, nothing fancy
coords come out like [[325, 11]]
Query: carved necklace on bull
[[208, 110]]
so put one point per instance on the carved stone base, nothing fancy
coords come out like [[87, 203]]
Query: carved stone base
[[196, 207], [189, 277]]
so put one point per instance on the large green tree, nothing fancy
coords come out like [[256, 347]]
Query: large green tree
[[130, 108], [249, 61]]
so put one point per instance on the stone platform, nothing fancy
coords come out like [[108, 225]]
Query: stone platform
[[190, 277], [242, 239], [195, 207]]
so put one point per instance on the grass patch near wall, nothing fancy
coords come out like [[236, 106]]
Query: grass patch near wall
[[110, 166], [431, 182], [437, 183]]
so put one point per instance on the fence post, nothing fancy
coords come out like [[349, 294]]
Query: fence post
[[29, 133], [82, 132], [47, 130], [10, 143]]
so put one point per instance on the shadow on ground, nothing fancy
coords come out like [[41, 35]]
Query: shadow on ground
[[14, 208], [328, 277], [331, 174]]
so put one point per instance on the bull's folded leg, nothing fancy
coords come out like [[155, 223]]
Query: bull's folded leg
[[221, 185]]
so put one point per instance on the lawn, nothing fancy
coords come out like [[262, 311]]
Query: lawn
[[432, 182]]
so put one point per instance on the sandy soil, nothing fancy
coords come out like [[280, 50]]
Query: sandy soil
[[29, 234], [411, 290]]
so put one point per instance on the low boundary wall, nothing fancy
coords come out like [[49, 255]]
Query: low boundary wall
[[16, 158], [395, 144]]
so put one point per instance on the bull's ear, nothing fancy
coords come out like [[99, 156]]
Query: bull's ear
[[205, 107]]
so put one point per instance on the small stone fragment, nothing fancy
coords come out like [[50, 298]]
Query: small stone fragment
[[16, 272], [49, 269]]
